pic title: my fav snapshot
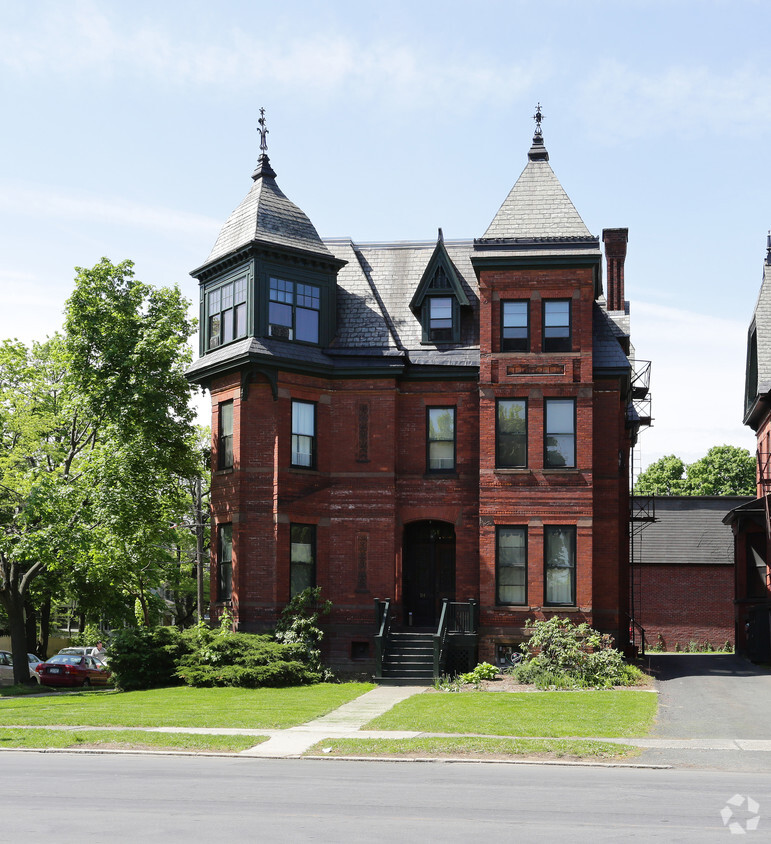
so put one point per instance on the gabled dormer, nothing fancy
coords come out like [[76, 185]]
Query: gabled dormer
[[439, 298], [269, 274]]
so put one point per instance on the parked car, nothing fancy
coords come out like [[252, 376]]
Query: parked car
[[86, 651], [34, 661], [6, 665], [73, 670]]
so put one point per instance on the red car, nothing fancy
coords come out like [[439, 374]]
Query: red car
[[73, 670]]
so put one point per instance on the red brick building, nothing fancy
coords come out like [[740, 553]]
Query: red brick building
[[445, 425], [683, 572], [751, 523]]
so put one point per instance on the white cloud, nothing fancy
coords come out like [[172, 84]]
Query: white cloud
[[674, 99], [83, 39], [47, 203]]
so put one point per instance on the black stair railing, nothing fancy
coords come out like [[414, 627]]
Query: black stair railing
[[383, 628]]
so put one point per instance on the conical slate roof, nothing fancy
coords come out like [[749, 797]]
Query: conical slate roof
[[537, 206], [267, 216]]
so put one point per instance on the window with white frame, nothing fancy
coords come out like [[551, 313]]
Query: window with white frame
[[302, 558], [560, 564], [560, 434], [440, 423], [511, 565], [304, 434], [224, 562]]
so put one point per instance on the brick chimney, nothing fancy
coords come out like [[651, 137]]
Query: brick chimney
[[615, 253]]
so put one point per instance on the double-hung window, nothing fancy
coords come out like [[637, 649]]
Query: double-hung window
[[511, 433], [226, 312], [440, 422], [556, 325], [302, 557], [304, 434], [225, 444], [224, 562], [511, 565], [440, 324], [515, 336], [560, 434], [293, 311], [560, 562]]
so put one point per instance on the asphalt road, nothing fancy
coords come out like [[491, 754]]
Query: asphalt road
[[76, 798]]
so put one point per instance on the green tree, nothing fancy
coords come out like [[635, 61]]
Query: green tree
[[94, 427], [664, 477], [724, 470]]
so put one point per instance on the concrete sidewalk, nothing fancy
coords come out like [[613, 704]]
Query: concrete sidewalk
[[346, 720]]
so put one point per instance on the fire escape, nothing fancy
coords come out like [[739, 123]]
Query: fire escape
[[642, 508], [764, 482]]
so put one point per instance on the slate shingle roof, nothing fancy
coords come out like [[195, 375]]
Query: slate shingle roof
[[267, 215], [537, 207], [689, 530], [762, 321]]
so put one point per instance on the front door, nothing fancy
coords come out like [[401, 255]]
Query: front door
[[428, 571]]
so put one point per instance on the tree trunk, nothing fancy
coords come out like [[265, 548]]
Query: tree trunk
[[30, 623], [14, 608], [45, 626]]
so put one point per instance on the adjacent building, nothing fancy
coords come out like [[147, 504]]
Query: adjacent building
[[435, 433], [751, 523]]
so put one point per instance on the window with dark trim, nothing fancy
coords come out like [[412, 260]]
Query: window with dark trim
[[440, 439], [511, 565], [224, 562], [226, 312], [302, 558], [560, 434], [293, 310], [304, 434], [225, 444], [441, 322], [515, 326], [511, 433], [556, 325], [560, 565]]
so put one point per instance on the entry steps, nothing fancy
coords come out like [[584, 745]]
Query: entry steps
[[408, 659]]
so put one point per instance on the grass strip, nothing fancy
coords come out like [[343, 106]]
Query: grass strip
[[474, 747], [183, 706], [125, 740], [603, 714]]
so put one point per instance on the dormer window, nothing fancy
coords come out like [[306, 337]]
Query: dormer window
[[293, 313], [226, 312], [439, 298]]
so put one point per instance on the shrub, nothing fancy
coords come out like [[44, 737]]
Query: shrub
[[243, 659], [146, 657], [299, 625], [564, 655], [483, 671]]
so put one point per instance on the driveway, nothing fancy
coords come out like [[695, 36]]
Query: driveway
[[713, 699]]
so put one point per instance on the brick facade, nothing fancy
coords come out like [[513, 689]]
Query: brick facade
[[386, 526]]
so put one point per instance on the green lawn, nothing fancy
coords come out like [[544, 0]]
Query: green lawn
[[125, 740], [473, 747], [182, 706], [602, 714]]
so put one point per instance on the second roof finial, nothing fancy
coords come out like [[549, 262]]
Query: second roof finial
[[263, 132], [538, 117]]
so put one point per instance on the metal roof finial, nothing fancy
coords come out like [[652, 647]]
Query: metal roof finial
[[263, 132], [538, 117]]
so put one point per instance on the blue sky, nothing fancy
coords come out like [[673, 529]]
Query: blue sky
[[130, 132]]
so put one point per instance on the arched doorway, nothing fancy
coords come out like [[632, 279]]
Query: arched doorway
[[428, 570]]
